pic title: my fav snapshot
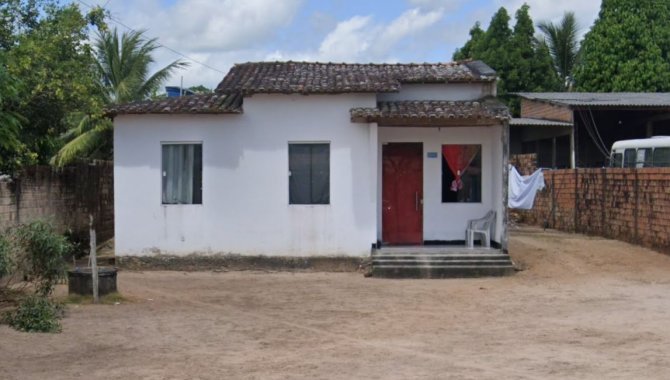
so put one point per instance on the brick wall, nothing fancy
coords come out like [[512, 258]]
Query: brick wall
[[525, 164], [65, 197], [625, 204], [541, 110]]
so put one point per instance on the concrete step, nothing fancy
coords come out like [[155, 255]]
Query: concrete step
[[441, 258], [434, 263], [440, 263], [431, 272]]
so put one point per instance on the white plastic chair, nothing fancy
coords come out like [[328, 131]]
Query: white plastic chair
[[482, 227]]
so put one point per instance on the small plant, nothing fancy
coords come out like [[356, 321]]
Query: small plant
[[79, 243], [41, 251], [5, 257], [36, 314], [35, 252]]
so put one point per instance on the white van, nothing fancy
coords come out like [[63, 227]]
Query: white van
[[653, 152]]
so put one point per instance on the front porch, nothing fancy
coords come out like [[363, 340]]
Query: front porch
[[439, 262], [439, 165]]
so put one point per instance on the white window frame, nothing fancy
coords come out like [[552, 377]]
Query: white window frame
[[202, 172]]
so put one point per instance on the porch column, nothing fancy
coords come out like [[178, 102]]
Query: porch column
[[373, 162], [373, 148], [505, 176]]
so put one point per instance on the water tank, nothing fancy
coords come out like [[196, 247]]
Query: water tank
[[173, 91]]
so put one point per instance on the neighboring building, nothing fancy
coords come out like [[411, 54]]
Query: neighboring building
[[309, 159], [577, 129]]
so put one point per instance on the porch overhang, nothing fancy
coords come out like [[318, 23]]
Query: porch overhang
[[433, 113]]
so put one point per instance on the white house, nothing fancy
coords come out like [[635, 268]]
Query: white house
[[313, 159]]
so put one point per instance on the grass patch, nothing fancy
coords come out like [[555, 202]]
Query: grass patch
[[107, 299]]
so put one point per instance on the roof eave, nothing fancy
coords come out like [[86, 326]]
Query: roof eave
[[178, 113], [403, 121]]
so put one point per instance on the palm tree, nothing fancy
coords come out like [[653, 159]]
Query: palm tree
[[563, 45], [123, 68]]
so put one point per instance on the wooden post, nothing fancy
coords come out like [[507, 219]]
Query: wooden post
[[94, 261]]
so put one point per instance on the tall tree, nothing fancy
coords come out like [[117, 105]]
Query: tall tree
[[628, 48], [465, 52], [563, 44], [11, 146], [18, 17], [522, 62], [47, 51], [493, 46], [123, 69], [124, 66]]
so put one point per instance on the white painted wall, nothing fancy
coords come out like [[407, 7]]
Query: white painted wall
[[440, 91], [447, 221], [245, 206]]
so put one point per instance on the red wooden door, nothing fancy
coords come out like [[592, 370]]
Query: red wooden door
[[402, 193]]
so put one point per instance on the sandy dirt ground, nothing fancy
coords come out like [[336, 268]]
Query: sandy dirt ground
[[584, 308]]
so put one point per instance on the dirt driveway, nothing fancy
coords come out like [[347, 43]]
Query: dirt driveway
[[583, 308]]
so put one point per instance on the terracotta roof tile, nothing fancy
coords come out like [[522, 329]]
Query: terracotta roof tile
[[192, 104], [436, 110], [315, 77]]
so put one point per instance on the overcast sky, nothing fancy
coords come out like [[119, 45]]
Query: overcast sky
[[220, 33]]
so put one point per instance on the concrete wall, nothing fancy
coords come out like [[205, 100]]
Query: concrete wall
[[447, 221], [245, 206], [64, 197], [624, 204]]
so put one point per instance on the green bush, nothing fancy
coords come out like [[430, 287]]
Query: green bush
[[42, 251], [36, 252], [36, 314], [5, 257]]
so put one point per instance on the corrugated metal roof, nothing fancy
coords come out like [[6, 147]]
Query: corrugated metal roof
[[602, 99], [538, 122]]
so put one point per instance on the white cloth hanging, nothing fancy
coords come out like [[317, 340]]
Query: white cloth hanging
[[522, 189]]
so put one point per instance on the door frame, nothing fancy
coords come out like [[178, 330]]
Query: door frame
[[421, 194]]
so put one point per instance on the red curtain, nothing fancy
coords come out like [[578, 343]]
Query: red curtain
[[459, 158]]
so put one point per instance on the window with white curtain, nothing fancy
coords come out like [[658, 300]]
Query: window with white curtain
[[182, 173]]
